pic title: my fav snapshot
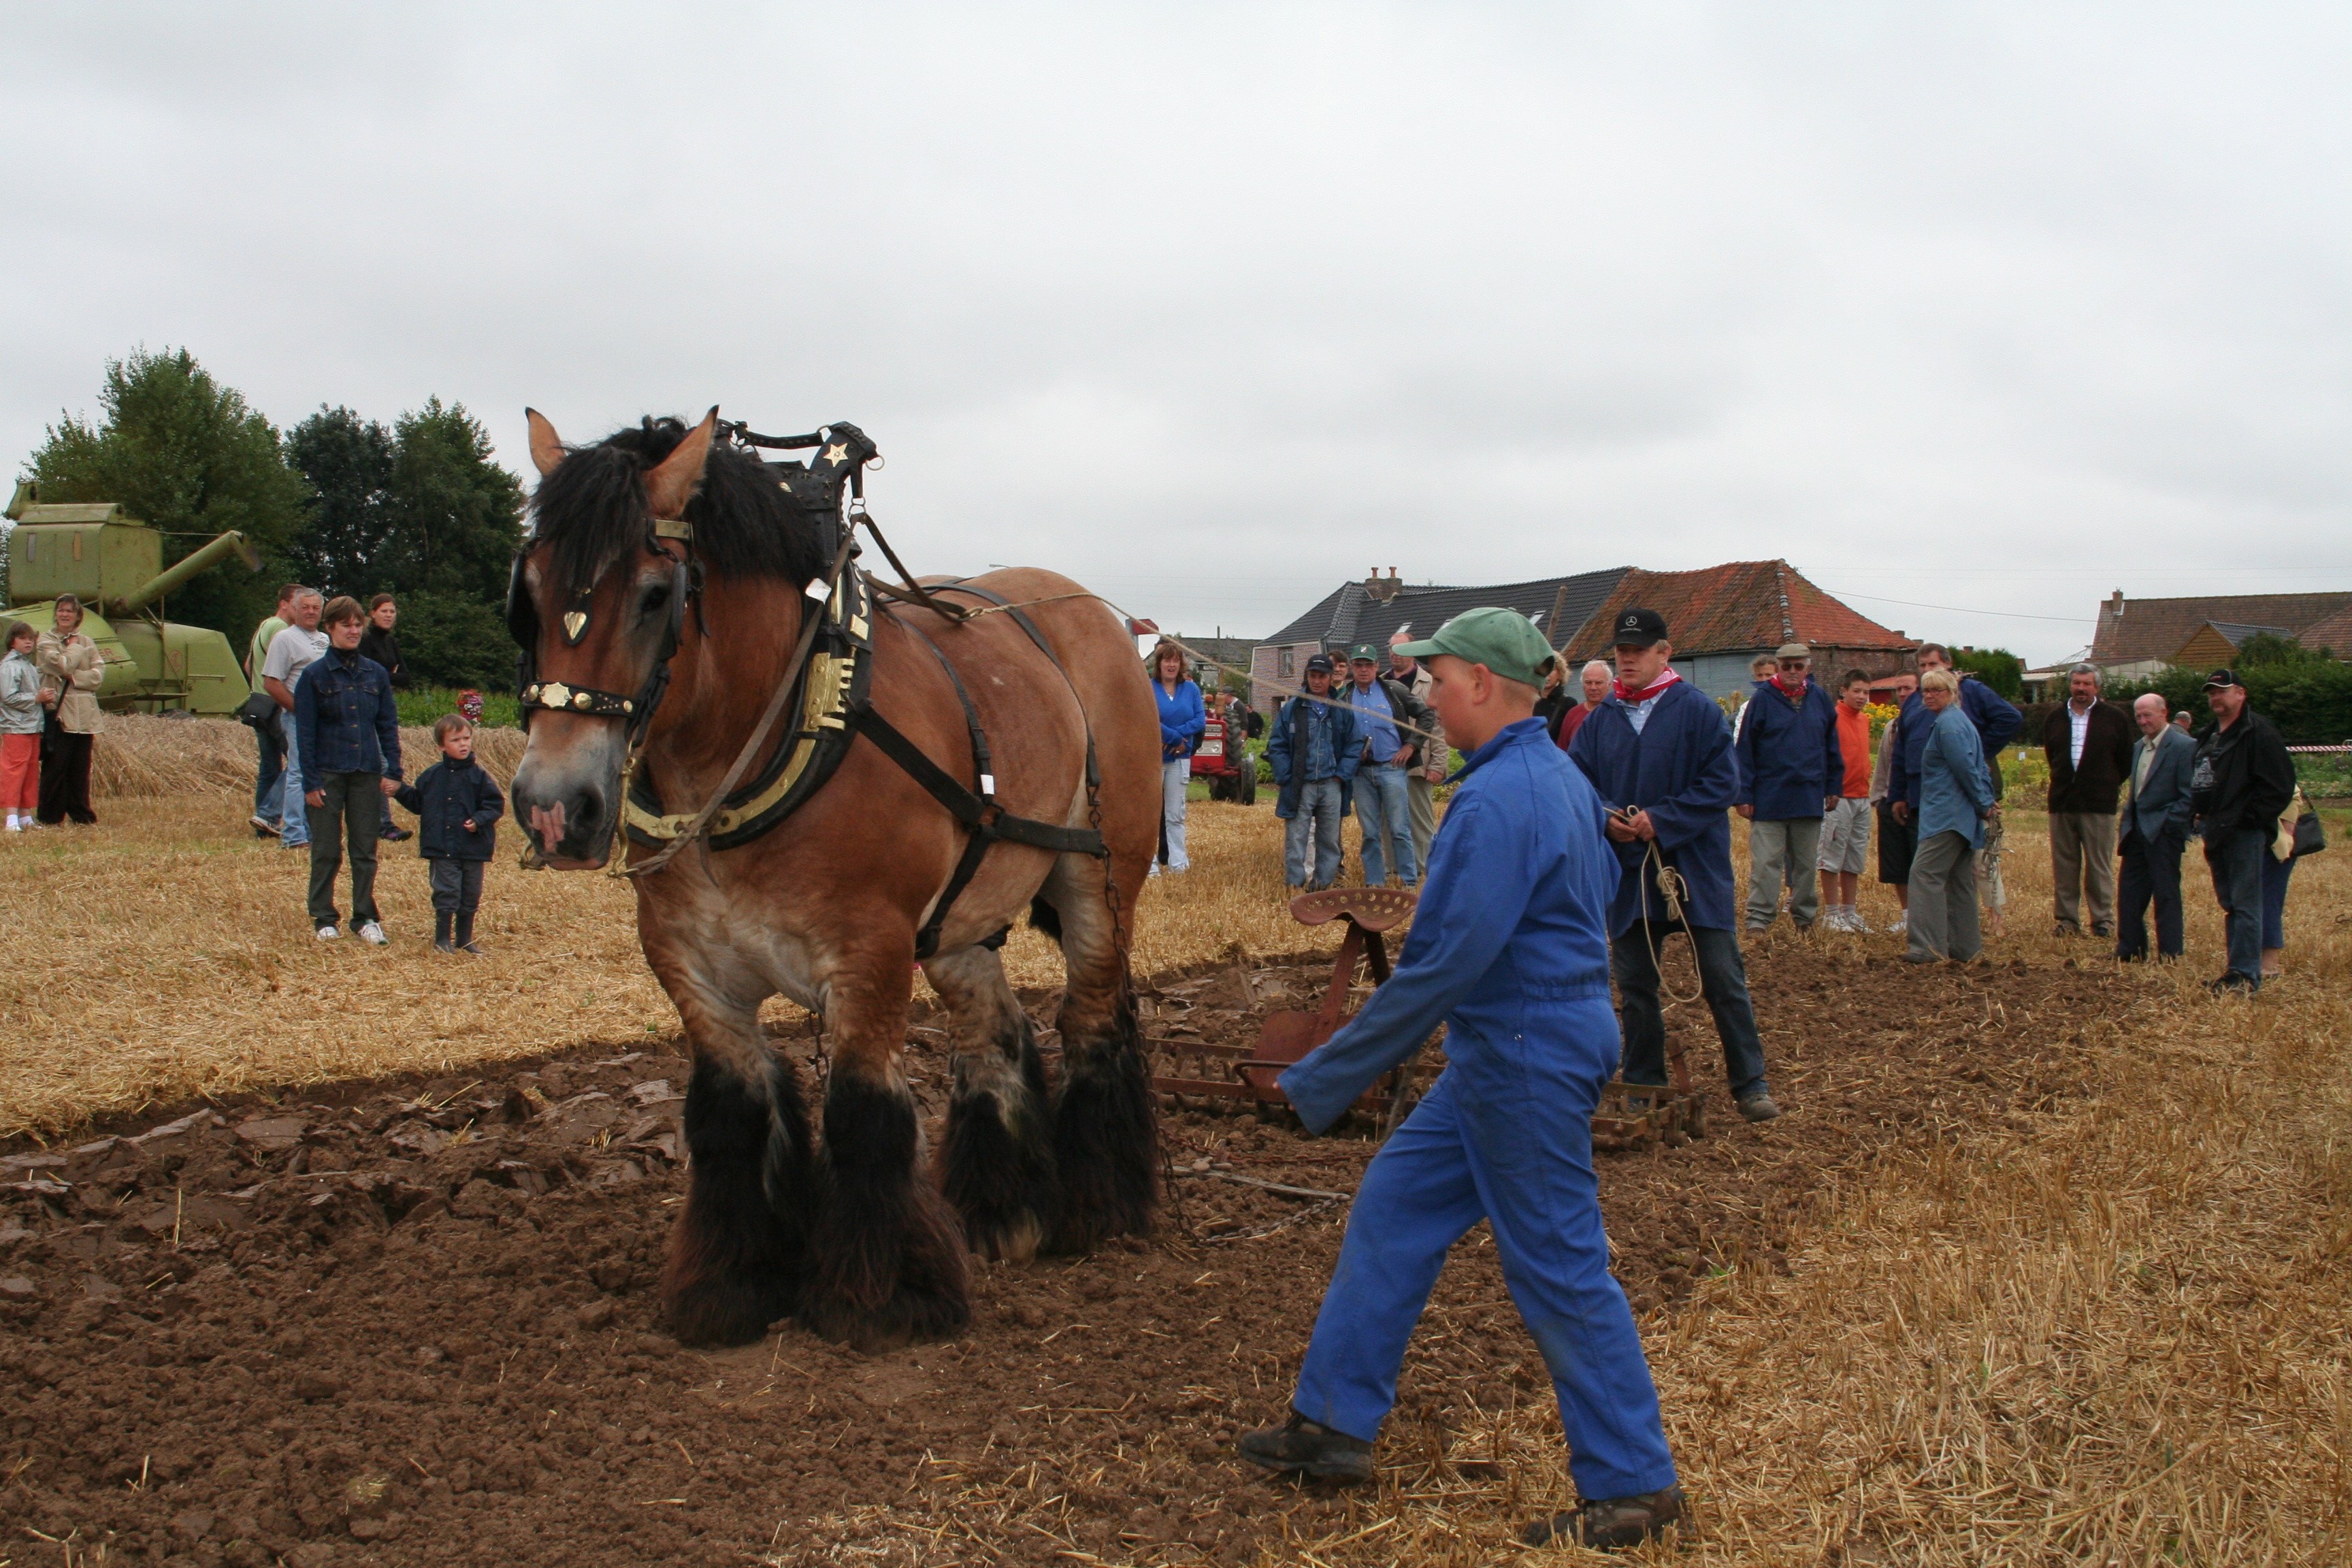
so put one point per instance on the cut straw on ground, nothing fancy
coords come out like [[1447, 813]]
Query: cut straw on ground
[[2109, 1328]]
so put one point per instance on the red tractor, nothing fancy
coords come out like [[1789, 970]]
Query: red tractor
[[1223, 758]]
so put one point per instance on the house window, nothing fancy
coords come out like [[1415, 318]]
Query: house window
[[1286, 671]]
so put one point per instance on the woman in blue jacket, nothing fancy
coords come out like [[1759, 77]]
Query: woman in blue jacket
[[1183, 721], [1955, 794]]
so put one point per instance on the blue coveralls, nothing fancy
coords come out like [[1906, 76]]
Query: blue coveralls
[[1510, 949]]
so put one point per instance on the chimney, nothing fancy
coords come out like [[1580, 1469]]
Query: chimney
[[1380, 589]]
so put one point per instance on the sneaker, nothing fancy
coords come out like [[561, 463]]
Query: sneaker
[[1300, 1447], [1856, 923], [372, 935], [1902, 923], [2233, 981], [14, 826], [328, 933], [1610, 1522], [302, 844], [1759, 1106], [396, 833], [262, 826]]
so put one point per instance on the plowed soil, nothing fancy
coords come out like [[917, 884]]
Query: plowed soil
[[413, 1323]]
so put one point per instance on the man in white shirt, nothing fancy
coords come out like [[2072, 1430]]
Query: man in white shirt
[[292, 651]]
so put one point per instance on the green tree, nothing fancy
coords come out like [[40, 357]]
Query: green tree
[[180, 450], [349, 464], [453, 519], [1996, 667], [2267, 649]]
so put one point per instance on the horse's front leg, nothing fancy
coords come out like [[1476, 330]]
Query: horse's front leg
[[737, 1252], [886, 1262]]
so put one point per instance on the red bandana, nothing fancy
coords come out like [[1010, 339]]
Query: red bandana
[[1793, 692], [1627, 694]]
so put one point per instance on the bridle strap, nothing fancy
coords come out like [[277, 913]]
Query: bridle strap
[[813, 618]]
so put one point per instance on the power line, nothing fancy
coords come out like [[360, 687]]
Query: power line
[[1957, 610]]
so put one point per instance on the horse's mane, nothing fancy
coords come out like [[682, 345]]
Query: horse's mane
[[592, 508]]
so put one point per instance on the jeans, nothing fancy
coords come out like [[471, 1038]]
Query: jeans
[[2083, 864], [1944, 921], [1722, 974], [1521, 1159], [269, 771], [1319, 814], [2150, 871], [350, 813], [2275, 872], [1784, 854], [1175, 777], [1382, 808], [1420, 801], [2234, 856], [293, 817]]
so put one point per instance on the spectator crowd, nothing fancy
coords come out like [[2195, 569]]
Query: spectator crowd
[[1795, 759]]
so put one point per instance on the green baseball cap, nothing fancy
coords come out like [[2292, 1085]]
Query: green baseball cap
[[1366, 651], [1505, 641]]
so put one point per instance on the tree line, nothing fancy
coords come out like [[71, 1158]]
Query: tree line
[[343, 502]]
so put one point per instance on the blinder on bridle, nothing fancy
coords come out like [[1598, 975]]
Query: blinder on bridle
[[636, 711]]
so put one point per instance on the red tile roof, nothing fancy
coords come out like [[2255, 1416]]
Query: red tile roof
[[2132, 630], [1736, 607]]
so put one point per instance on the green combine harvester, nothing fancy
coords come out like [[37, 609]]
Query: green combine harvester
[[114, 564]]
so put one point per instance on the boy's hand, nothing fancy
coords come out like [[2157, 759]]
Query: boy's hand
[[391, 784], [316, 797], [469, 825]]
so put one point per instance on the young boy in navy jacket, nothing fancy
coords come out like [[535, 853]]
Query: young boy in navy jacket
[[457, 808]]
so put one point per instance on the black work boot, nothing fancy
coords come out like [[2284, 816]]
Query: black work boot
[[1610, 1522], [442, 922], [1300, 1447]]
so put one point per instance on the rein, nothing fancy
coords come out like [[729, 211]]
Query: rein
[[820, 590]]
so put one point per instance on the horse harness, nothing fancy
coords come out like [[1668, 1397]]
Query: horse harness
[[832, 702]]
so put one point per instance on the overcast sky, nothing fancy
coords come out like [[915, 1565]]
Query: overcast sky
[[1990, 309]]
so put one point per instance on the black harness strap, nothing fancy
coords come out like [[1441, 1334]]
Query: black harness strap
[[986, 821]]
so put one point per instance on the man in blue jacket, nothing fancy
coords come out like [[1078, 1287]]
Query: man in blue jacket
[[1791, 770], [347, 745], [1660, 752], [1313, 748], [1509, 952], [1997, 722]]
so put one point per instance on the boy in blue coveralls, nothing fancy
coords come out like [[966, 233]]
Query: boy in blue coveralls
[[1510, 951]]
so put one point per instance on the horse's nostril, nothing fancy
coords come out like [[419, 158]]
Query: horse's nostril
[[588, 811]]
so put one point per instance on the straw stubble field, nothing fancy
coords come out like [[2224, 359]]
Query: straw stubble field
[[2106, 1324]]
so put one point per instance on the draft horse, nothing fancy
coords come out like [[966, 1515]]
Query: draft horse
[[932, 781]]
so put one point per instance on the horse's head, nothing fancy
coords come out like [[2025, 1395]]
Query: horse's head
[[597, 601], [621, 535]]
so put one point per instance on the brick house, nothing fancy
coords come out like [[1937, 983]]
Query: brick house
[[2140, 637], [1721, 617]]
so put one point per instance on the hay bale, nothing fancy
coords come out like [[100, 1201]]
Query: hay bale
[[144, 755]]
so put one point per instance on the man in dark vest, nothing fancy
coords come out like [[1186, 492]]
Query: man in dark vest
[[1660, 752]]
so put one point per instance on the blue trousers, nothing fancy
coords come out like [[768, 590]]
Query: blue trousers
[[1385, 808], [293, 815], [2275, 873], [2235, 859], [1317, 819], [2151, 873], [1506, 1136], [269, 768]]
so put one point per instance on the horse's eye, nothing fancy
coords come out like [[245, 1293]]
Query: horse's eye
[[653, 600]]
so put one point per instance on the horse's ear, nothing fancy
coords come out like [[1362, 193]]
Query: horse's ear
[[546, 446], [672, 484]]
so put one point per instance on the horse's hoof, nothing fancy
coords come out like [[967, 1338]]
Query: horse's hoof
[[911, 1315], [721, 1311], [1005, 1238]]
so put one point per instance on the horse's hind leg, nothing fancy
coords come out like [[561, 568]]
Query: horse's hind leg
[[1106, 1126], [887, 1262], [736, 1253], [997, 1164]]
